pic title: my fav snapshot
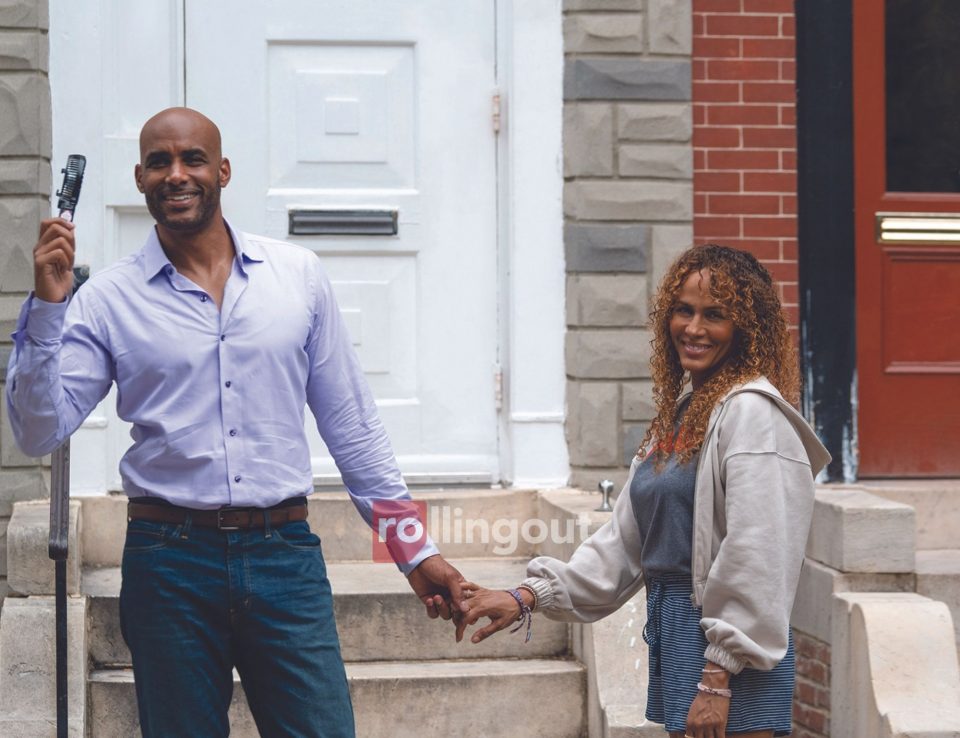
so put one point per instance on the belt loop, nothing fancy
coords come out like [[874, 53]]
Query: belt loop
[[267, 533], [185, 528]]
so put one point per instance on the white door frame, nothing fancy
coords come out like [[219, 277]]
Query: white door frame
[[532, 446]]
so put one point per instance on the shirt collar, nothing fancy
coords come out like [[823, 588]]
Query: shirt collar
[[156, 261]]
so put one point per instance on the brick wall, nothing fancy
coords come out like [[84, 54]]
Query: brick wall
[[744, 133], [628, 168], [25, 143], [811, 698]]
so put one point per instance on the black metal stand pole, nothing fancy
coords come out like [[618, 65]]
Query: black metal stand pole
[[58, 549]]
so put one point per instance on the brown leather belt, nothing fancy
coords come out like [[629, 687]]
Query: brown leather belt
[[225, 518]]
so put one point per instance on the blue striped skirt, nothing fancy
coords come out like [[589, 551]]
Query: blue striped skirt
[[761, 699]]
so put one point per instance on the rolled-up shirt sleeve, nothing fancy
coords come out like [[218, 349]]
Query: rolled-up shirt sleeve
[[58, 371]]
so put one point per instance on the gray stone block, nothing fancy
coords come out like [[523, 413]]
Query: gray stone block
[[608, 354], [24, 177], [606, 300], [669, 241], [626, 78], [19, 485], [602, 5], [9, 312], [632, 438], [19, 223], [24, 115], [606, 33], [10, 453], [23, 50], [630, 200], [656, 161], [606, 248], [24, 14], [593, 422], [638, 401], [30, 570], [671, 26], [4, 522], [587, 139], [587, 478], [655, 121], [5, 352]]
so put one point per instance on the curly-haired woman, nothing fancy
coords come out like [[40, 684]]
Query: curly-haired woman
[[714, 516]]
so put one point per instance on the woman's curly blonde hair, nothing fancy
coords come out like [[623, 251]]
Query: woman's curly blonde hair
[[762, 345]]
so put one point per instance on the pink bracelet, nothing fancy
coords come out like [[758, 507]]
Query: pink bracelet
[[713, 690]]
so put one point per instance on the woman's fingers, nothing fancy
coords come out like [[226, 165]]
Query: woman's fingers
[[489, 630]]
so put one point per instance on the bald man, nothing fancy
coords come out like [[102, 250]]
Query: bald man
[[217, 341]]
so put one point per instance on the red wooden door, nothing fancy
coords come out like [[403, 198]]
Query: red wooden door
[[907, 189]]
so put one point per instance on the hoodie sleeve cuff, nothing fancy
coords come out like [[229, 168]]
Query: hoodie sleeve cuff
[[723, 658], [543, 589]]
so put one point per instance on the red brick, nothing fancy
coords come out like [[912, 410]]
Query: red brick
[[699, 203], [713, 227], [743, 25], [716, 181], [765, 251], [699, 70], [699, 114], [790, 295], [823, 698], [788, 204], [716, 6], [768, 6], [788, 161], [770, 182], [744, 205], [769, 137], [699, 24], [743, 159], [788, 70], [806, 694], [767, 48], [715, 137], [756, 115], [705, 91], [810, 718], [699, 160], [706, 47], [742, 69], [769, 92], [788, 115], [788, 26], [770, 227], [789, 251]]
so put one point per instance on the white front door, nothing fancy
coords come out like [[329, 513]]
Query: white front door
[[381, 109]]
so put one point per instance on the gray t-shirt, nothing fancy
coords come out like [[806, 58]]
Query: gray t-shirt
[[663, 505]]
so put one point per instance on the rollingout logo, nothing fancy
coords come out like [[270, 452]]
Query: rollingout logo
[[401, 527]]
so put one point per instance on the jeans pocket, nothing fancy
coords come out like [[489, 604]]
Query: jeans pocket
[[145, 535], [298, 535]]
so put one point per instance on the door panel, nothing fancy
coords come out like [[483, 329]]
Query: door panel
[[385, 107], [907, 180]]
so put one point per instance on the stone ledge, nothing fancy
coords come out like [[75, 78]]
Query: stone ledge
[[30, 570], [854, 531]]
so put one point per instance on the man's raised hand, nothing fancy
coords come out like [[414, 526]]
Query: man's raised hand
[[53, 260]]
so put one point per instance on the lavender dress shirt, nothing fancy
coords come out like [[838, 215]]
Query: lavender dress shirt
[[216, 397]]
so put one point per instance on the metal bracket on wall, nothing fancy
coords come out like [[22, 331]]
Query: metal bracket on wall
[[337, 222], [925, 228]]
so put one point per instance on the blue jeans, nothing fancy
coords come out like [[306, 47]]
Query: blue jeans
[[195, 602]]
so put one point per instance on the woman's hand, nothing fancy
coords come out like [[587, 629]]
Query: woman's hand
[[707, 717], [496, 604]]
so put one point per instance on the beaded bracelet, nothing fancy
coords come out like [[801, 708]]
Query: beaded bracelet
[[713, 690], [525, 615], [536, 598]]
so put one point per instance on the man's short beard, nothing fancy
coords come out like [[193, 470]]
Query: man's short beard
[[206, 211]]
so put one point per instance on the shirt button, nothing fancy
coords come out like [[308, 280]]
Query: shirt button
[[227, 383], [223, 336], [203, 298], [233, 431], [236, 478]]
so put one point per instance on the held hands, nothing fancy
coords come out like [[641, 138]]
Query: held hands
[[498, 605], [439, 587], [707, 717], [53, 260]]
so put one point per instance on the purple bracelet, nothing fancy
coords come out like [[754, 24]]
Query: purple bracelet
[[525, 615]]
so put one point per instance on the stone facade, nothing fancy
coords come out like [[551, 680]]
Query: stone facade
[[25, 183], [628, 207]]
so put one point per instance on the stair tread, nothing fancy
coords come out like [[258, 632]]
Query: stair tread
[[938, 561], [445, 669], [354, 577]]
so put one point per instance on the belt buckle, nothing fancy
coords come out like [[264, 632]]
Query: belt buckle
[[220, 525]]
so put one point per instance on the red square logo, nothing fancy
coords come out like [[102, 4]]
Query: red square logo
[[399, 530]]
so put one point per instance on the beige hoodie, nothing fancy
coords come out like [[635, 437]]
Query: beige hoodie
[[752, 510]]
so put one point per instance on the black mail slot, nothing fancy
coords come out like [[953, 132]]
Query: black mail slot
[[343, 223]]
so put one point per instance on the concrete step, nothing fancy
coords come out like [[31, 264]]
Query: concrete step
[[463, 522], [534, 698], [936, 503], [938, 577], [378, 617]]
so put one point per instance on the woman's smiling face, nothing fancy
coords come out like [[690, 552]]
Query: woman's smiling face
[[701, 329]]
